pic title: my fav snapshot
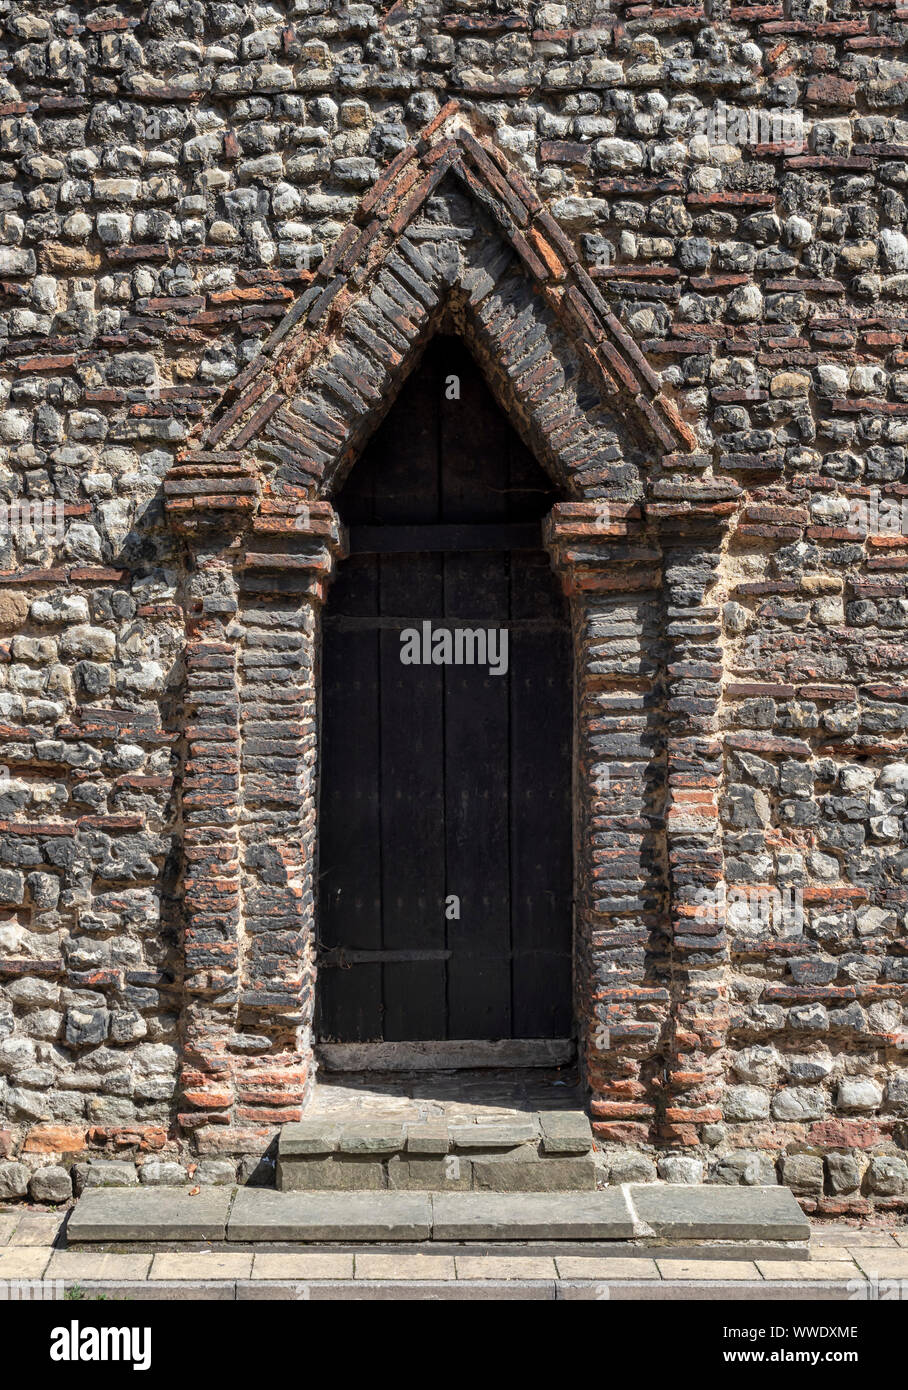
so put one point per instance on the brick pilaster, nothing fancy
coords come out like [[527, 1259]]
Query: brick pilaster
[[691, 542], [611, 575], [211, 846], [287, 564]]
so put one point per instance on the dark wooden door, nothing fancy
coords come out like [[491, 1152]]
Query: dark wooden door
[[445, 821]]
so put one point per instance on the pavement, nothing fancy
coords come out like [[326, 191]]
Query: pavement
[[842, 1263]]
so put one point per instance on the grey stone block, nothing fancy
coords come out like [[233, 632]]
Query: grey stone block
[[719, 1212], [532, 1216], [150, 1213], [418, 1173], [429, 1138], [330, 1175], [545, 1175], [215, 1172], [262, 1215], [308, 1137], [107, 1172], [565, 1132], [378, 1138], [156, 1173], [507, 1134]]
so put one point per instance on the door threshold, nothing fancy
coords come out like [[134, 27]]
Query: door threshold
[[457, 1055]]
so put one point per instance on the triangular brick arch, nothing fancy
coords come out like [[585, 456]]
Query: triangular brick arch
[[504, 276]]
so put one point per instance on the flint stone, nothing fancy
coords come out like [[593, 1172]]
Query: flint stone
[[803, 1173], [13, 1180], [51, 1184]]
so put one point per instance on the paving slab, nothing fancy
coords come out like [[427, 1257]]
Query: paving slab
[[37, 1228], [808, 1269], [723, 1213], [604, 1267], [24, 1261], [78, 1266], [708, 1269], [261, 1214], [210, 1264], [404, 1266], [815, 1251], [532, 1216], [9, 1220], [850, 1237], [145, 1214], [505, 1267], [887, 1264], [302, 1266]]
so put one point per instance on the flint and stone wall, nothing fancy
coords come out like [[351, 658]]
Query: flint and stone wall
[[708, 337]]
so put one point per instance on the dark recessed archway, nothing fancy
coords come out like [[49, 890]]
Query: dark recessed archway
[[445, 815]]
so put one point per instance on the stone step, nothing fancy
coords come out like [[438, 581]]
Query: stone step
[[546, 1151], [659, 1212]]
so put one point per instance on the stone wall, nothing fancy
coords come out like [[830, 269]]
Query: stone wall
[[171, 177]]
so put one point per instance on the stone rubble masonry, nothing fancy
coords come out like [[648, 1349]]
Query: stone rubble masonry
[[225, 236]]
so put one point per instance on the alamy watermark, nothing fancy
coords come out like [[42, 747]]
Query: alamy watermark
[[756, 907], [31, 1290], [876, 515], [746, 127], [458, 646], [39, 519]]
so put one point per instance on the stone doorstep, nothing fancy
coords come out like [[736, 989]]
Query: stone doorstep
[[669, 1213], [551, 1131], [548, 1151], [483, 1169]]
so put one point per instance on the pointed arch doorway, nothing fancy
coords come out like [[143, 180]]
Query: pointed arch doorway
[[445, 844]]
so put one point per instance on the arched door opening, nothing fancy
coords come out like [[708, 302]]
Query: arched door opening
[[445, 842]]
